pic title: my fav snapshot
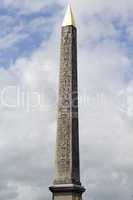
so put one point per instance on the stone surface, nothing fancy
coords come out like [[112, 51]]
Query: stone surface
[[67, 192], [70, 196], [67, 151]]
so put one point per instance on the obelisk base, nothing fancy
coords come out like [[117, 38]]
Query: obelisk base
[[67, 192]]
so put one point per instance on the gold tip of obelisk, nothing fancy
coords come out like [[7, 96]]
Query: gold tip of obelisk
[[69, 18]]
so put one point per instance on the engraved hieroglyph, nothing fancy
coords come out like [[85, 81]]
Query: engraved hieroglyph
[[67, 152]]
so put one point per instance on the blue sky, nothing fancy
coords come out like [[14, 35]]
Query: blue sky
[[23, 33]]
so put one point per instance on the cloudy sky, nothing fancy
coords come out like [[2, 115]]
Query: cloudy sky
[[29, 65]]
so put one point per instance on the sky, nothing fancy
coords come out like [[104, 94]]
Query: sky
[[29, 73]]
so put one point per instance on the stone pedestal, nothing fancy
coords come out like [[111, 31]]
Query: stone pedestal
[[67, 192]]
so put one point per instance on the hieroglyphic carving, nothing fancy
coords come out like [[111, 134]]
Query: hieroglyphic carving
[[67, 152], [64, 110]]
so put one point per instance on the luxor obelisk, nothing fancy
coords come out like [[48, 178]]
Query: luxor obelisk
[[67, 185]]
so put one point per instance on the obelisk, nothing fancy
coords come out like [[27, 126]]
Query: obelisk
[[67, 185]]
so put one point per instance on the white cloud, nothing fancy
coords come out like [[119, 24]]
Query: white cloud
[[27, 5], [11, 39], [28, 138]]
